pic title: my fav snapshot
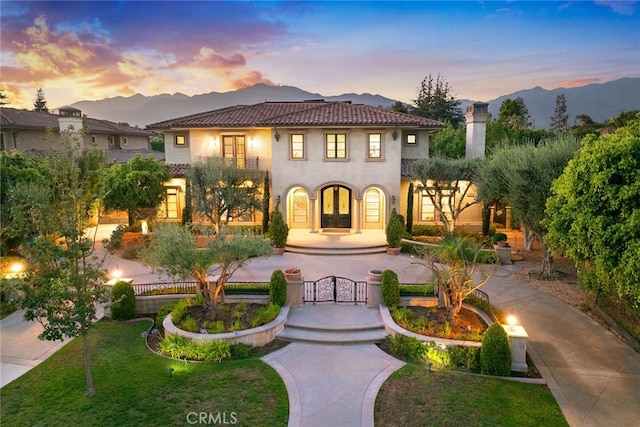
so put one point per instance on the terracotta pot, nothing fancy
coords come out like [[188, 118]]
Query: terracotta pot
[[292, 277], [503, 244], [277, 251], [393, 251], [374, 276]]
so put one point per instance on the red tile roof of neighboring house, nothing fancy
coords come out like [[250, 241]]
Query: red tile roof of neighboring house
[[306, 113], [179, 169], [12, 118]]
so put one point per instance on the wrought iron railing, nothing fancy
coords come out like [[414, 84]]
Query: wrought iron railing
[[167, 288]]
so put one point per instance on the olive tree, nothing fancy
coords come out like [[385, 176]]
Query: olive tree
[[448, 184], [594, 212], [175, 253]]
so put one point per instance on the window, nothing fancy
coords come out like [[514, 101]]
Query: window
[[372, 206], [125, 140], [181, 140], [375, 146], [93, 139], [427, 210], [111, 141], [233, 148], [412, 139], [171, 204], [336, 146], [300, 202], [297, 146]]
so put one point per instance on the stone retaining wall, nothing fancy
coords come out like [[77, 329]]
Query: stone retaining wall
[[152, 304]]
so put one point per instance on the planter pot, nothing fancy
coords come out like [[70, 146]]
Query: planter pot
[[292, 277], [374, 276], [393, 251], [503, 244], [277, 251]]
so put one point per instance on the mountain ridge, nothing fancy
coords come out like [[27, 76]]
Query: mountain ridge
[[600, 101]]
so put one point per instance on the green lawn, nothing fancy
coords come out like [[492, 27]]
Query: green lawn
[[133, 387], [412, 396]]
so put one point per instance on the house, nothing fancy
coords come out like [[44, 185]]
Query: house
[[333, 165], [27, 131]]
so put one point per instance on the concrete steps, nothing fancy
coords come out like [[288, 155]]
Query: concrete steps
[[362, 250], [334, 324]]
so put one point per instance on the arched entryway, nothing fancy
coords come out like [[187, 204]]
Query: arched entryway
[[298, 208], [335, 207], [374, 208]]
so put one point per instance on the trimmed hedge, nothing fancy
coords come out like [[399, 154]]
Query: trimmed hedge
[[123, 301], [390, 288], [278, 288], [495, 353]]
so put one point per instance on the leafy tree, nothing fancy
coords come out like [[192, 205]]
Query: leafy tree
[[584, 125], [620, 120], [594, 212], [400, 107], [521, 176], [40, 103], [136, 186], [222, 191], [410, 192], [448, 184], [266, 198], [449, 142], [560, 118], [17, 167], [454, 266], [436, 101], [157, 143], [176, 254], [67, 279]]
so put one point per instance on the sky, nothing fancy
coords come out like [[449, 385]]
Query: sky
[[89, 50]]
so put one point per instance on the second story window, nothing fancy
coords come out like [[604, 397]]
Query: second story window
[[336, 146], [233, 147], [181, 141], [297, 146], [412, 139], [374, 146]]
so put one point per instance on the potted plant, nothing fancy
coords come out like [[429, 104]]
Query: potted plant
[[292, 273], [394, 231], [278, 233]]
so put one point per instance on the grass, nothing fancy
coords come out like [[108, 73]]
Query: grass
[[133, 387], [412, 396]]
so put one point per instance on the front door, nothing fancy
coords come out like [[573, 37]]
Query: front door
[[336, 207]]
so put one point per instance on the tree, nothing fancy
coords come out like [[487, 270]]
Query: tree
[[436, 101], [176, 254], [514, 114], [521, 176], [67, 279], [560, 118], [17, 167], [448, 184], [410, 208], [400, 107], [594, 212], [40, 103], [266, 198], [136, 187], [453, 264], [449, 142], [222, 191]]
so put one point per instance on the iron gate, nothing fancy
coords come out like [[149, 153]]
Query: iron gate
[[335, 289]]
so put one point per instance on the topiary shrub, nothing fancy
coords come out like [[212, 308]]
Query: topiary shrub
[[278, 230], [390, 287], [278, 288], [123, 301], [394, 230], [495, 354]]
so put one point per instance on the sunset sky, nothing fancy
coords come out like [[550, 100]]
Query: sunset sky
[[92, 50]]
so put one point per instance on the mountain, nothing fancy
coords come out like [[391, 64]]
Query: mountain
[[599, 101], [143, 110]]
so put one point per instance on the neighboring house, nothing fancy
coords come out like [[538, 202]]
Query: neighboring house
[[26, 131], [332, 164]]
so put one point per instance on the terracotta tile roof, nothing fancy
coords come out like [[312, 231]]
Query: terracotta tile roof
[[12, 118], [179, 169], [306, 113]]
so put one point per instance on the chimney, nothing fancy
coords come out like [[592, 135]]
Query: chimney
[[476, 116]]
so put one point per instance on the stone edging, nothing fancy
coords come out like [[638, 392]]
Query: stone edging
[[255, 337]]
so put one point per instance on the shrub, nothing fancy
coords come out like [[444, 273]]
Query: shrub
[[162, 313], [394, 230], [278, 230], [179, 347], [390, 289], [265, 315], [123, 301], [278, 288], [173, 345], [499, 237], [406, 348], [440, 356], [214, 326], [115, 241], [213, 351], [495, 354], [240, 351], [190, 325], [463, 356], [428, 230]]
